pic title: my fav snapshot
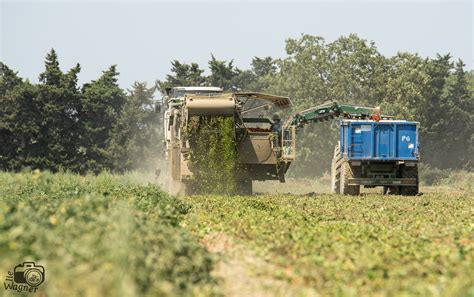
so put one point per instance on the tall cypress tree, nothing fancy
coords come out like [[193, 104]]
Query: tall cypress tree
[[433, 120], [459, 120], [102, 104], [59, 103]]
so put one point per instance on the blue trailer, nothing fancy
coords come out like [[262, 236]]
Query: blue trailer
[[373, 149], [374, 153]]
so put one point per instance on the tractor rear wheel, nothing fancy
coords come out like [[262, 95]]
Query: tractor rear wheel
[[336, 171], [410, 172], [347, 172]]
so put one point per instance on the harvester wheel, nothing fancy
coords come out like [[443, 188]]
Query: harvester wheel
[[410, 172], [174, 187], [244, 186], [347, 172], [336, 172], [179, 188]]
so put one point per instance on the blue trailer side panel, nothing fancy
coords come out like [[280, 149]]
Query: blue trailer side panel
[[407, 140], [384, 140]]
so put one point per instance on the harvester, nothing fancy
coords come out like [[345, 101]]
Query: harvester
[[258, 159], [264, 153]]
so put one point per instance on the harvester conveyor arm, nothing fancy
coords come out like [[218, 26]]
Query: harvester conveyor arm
[[331, 110]]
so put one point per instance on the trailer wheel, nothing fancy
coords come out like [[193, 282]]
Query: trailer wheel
[[346, 173], [410, 172], [335, 171], [394, 190]]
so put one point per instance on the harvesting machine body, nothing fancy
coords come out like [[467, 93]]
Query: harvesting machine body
[[258, 157]]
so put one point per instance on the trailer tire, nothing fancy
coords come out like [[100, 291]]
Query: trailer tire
[[347, 172], [335, 171], [394, 190], [410, 172]]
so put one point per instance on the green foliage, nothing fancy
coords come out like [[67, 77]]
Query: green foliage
[[432, 176], [212, 155], [19, 126], [57, 125], [350, 69], [135, 138], [102, 104], [223, 74], [100, 236], [458, 179], [40, 122], [184, 75], [263, 66], [371, 245]]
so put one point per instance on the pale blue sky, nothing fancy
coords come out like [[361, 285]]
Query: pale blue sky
[[142, 38]]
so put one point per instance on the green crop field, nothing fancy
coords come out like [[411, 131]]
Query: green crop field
[[112, 235], [100, 236]]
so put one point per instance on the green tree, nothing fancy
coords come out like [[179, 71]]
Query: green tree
[[459, 120], [58, 102], [407, 80], [102, 104], [8, 79], [263, 66], [356, 71], [434, 122], [182, 75], [223, 74], [19, 121], [135, 142]]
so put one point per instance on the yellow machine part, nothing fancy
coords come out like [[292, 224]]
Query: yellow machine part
[[210, 106]]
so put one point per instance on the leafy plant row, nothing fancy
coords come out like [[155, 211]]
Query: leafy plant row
[[100, 236], [371, 245]]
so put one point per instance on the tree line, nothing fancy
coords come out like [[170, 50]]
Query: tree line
[[57, 124]]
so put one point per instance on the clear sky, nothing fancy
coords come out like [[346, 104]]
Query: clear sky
[[143, 37]]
